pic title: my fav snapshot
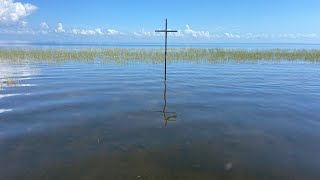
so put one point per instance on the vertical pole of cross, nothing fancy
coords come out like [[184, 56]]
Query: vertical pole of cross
[[165, 52], [166, 47]]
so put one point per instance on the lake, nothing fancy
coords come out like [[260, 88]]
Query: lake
[[108, 120]]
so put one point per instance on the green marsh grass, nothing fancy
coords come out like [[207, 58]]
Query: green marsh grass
[[156, 55]]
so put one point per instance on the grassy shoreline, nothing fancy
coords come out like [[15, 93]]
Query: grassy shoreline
[[157, 55]]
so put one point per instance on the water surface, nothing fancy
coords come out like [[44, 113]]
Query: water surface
[[226, 120]]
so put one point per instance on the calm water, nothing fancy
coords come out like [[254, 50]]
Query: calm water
[[250, 120]]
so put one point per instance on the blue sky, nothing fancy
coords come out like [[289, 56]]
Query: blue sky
[[135, 21]]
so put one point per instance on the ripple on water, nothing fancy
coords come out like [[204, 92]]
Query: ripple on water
[[5, 110], [240, 118]]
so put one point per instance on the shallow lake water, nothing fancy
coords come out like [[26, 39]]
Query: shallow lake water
[[99, 120]]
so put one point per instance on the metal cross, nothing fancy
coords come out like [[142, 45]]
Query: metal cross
[[166, 31]]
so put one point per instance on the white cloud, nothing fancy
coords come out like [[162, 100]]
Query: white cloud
[[96, 31], [44, 25], [60, 28], [185, 33], [136, 34], [280, 36], [257, 36], [309, 35], [232, 36], [112, 32], [44, 28], [142, 33], [299, 36], [196, 34], [177, 34], [288, 36], [23, 24], [14, 12], [82, 32]]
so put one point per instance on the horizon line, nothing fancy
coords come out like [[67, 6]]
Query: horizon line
[[144, 43]]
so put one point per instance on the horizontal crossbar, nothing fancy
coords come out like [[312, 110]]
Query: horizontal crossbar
[[166, 31]]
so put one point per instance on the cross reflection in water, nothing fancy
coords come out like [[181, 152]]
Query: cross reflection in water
[[167, 116]]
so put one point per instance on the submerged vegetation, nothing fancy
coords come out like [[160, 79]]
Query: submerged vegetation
[[8, 82], [155, 55]]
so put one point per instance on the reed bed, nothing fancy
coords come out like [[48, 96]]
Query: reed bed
[[156, 55]]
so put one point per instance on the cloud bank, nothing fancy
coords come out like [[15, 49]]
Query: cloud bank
[[12, 13], [185, 34], [96, 31]]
